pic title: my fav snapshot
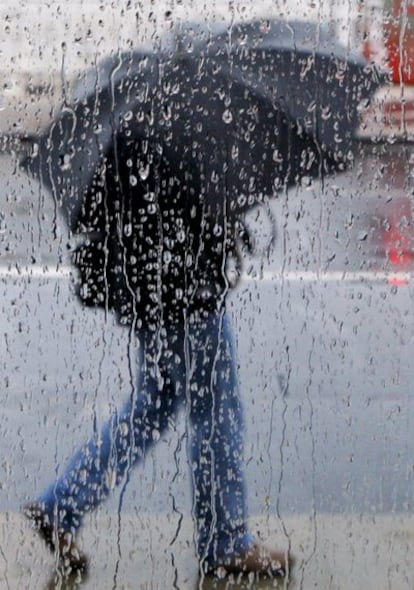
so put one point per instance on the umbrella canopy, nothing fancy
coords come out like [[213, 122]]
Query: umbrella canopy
[[156, 154], [300, 66], [247, 111]]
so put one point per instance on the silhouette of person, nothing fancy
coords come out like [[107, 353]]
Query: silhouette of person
[[159, 263]]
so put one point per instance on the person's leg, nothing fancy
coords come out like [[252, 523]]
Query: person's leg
[[216, 441], [216, 451], [106, 459], [194, 362]]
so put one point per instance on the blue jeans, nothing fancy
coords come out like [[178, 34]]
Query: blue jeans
[[193, 364]]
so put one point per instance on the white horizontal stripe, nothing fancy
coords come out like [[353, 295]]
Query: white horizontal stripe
[[306, 276], [35, 271], [309, 276]]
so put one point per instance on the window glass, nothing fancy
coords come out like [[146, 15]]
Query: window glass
[[206, 261]]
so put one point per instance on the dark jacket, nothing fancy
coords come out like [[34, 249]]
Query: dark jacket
[[152, 251]]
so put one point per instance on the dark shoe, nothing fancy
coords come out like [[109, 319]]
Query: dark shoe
[[62, 580], [71, 562], [258, 560]]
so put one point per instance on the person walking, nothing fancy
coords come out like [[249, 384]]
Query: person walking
[[160, 263]]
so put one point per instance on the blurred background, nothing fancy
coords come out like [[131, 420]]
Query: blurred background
[[323, 319]]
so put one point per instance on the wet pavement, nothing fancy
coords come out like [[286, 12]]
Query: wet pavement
[[325, 342], [149, 551]]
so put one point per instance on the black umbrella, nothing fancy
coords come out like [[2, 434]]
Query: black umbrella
[[299, 66], [245, 111], [156, 154]]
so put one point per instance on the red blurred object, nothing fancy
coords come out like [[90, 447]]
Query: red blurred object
[[397, 248], [395, 235], [396, 38], [399, 41], [400, 53], [398, 280]]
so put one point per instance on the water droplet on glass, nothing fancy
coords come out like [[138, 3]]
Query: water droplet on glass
[[277, 157], [227, 116], [144, 172], [241, 200], [110, 479], [326, 113], [123, 428], [64, 161], [217, 230], [234, 152], [214, 177]]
